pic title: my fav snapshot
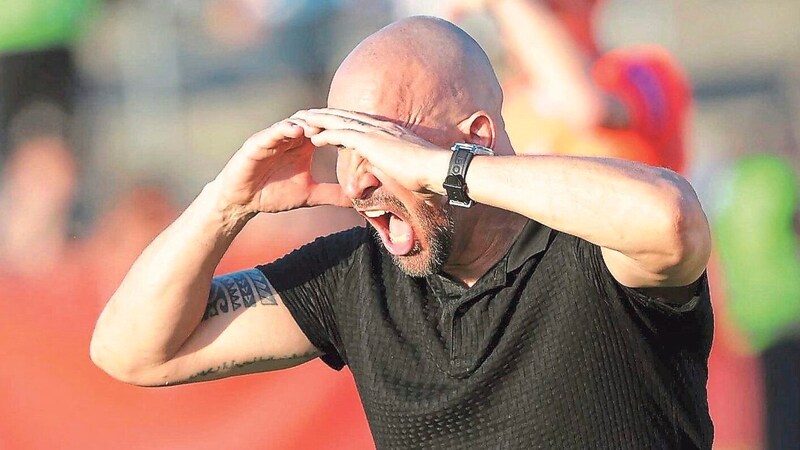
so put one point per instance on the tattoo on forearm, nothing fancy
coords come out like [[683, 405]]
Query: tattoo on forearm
[[230, 292], [225, 367], [211, 372]]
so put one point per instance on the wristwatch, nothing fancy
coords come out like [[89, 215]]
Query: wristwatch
[[455, 185]]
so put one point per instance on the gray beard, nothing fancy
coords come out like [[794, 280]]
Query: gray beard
[[440, 242]]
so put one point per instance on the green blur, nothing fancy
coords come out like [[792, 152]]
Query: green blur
[[758, 248], [27, 25]]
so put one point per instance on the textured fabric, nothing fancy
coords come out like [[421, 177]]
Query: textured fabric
[[546, 350]]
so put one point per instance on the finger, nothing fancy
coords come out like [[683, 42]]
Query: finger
[[339, 138], [328, 194], [308, 130], [281, 131], [333, 121], [280, 136], [353, 115]]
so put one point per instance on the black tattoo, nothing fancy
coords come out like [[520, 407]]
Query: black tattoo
[[233, 365], [230, 292]]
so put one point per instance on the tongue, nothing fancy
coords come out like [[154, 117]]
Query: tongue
[[401, 237]]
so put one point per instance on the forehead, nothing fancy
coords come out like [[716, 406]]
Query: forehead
[[366, 93]]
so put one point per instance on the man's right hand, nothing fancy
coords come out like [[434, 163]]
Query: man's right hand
[[168, 322], [271, 173]]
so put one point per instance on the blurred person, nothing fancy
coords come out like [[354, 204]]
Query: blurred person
[[760, 253], [36, 198], [37, 95], [567, 307], [568, 97], [37, 68]]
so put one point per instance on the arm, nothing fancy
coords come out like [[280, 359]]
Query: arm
[[648, 221], [168, 322]]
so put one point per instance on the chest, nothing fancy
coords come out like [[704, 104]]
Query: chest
[[436, 334]]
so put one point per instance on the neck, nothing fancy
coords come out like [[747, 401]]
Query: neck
[[491, 232]]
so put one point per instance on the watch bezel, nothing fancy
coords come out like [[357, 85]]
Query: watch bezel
[[475, 149]]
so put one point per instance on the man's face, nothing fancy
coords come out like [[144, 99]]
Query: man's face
[[416, 232]]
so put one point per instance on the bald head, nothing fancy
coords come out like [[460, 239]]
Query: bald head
[[419, 71]]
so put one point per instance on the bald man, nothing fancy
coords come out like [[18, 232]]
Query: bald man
[[492, 301]]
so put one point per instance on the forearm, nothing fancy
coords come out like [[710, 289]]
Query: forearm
[[650, 215], [547, 55], [163, 297]]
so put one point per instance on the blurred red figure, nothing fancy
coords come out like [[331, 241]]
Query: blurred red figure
[[566, 97]]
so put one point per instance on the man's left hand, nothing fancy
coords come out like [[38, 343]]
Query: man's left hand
[[391, 149]]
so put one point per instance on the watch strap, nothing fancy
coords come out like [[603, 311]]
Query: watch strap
[[455, 183]]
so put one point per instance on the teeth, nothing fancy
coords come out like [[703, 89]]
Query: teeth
[[374, 213]]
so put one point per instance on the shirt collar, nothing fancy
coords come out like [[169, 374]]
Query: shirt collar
[[532, 240]]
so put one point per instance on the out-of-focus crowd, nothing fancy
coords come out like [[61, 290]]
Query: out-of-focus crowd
[[113, 114]]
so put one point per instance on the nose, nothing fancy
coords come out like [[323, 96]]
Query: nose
[[356, 178]]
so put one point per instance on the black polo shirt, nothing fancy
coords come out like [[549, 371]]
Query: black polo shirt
[[546, 350]]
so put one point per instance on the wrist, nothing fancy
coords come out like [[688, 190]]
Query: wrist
[[231, 216], [437, 172]]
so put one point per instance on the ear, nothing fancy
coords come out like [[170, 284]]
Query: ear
[[479, 129]]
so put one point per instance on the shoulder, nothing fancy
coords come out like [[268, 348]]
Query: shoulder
[[331, 254], [341, 242], [672, 301]]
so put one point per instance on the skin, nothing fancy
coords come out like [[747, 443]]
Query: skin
[[419, 85]]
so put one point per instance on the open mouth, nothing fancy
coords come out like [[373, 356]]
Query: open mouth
[[393, 229]]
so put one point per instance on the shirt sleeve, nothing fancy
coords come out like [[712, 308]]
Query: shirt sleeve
[[308, 281], [687, 325]]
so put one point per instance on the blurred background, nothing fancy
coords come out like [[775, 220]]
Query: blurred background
[[114, 114]]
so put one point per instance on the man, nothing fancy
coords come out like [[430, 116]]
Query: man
[[566, 308]]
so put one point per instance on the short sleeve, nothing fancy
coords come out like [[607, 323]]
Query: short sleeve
[[309, 281], [688, 325], [656, 94]]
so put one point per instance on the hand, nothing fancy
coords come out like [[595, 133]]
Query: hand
[[271, 173], [391, 150]]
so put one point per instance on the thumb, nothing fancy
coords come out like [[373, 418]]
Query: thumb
[[328, 194]]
